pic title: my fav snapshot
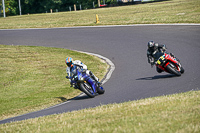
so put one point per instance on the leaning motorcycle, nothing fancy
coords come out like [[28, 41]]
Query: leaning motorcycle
[[86, 84], [169, 64]]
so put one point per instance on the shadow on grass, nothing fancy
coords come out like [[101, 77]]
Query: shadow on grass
[[63, 99], [79, 97], [158, 77]]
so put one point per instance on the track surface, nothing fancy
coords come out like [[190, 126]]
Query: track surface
[[126, 47]]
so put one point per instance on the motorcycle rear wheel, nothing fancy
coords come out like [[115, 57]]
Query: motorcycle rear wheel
[[87, 89], [173, 70]]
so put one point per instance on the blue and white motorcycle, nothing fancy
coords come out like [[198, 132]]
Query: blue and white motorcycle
[[86, 84]]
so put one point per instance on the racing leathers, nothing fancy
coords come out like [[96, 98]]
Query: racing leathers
[[153, 54], [71, 71]]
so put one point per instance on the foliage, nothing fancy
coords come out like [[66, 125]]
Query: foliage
[[38, 6], [43, 6], [10, 7], [172, 11]]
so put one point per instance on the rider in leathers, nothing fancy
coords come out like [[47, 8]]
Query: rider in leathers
[[71, 70], [153, 53]]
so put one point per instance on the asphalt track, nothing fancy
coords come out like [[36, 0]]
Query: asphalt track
[[133, 78]]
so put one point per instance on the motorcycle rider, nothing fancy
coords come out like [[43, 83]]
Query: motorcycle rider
[[71, 70], [153, 53]]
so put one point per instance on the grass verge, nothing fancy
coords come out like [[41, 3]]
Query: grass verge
[[169, 11], [172, 113], [32, 78]]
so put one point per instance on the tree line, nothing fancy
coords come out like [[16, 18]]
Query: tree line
[[43, 6]]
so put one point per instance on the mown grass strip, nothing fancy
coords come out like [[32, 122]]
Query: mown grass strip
[[169, 11], [172, 113], [32, 78], [21, 77]]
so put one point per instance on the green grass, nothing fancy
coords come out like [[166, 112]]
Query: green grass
[[170, 11], [32, 78], [178, 113]]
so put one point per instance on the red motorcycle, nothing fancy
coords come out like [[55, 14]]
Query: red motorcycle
[[169, 64]]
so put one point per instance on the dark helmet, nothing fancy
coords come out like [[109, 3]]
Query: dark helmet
[[68, 61], [151, 44]]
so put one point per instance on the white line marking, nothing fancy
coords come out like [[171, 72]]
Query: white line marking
[[111, 69], [106, 78], [107, 26]]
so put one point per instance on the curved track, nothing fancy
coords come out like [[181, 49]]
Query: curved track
[[125, 46]]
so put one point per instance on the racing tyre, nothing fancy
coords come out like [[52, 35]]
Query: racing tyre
[[100, 90], [182, 70], [87, 89], [172, 69]]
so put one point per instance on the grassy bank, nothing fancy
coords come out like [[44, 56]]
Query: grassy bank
[[32, 78], [169, 11], [175, 113]]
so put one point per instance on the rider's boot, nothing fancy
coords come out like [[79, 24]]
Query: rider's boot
[[172, 55], [159, 70], [95, 78]]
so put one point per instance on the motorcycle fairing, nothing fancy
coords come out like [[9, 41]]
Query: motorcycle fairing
[[88, 79], [165, 60]]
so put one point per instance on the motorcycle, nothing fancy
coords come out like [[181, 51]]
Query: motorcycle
[[169, 64], [86, 84]]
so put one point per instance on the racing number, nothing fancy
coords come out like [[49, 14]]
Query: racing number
[[160, 60]]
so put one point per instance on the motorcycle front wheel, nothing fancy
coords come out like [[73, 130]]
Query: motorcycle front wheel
[[182, 70], [100, 90], [172, 69], [87, 89]]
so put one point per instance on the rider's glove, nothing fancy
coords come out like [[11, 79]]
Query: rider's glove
[[152, 63], [72, 84]]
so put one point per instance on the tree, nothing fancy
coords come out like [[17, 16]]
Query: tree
[[10, 7], [42, 6]]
